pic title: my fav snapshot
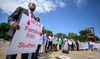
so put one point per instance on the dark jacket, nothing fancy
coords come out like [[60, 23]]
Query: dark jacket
[[16, 16]]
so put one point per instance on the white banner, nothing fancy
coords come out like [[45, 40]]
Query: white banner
[[96, 45], [26, 39], [83, 45]]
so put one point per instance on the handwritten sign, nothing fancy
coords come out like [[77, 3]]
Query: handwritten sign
[[26, 39]]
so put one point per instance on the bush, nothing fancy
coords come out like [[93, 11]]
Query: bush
[[4, 27]]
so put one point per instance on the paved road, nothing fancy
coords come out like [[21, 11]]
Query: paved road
[[54, 55]]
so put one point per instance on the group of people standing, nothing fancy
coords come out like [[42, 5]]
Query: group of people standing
[[54, 44], [49, 43]]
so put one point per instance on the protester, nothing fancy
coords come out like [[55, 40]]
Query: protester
[[14, 20], [90, 45], [50, 43], [69, 44], [35, 56], [45, 42], [54, 41], [65, 47], [73, 46], [60, 43], [77, 45]]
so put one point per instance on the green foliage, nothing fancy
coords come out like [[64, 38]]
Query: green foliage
[[97, 38], [49, 32], [60, 35], [83, 35], [85, 32], [81, 38], [4, 27], [44, 31], [71, 35]]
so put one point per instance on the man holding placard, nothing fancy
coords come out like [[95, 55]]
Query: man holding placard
[[14, 21]]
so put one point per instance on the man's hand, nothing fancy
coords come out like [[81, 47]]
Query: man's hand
[[16, 26], [40, 34]]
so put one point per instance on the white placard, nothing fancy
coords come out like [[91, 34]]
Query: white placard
[[26, 39]]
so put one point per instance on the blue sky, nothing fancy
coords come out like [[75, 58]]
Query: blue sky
[[60, 15]]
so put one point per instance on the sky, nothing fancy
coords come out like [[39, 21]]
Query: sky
[[59, 16]]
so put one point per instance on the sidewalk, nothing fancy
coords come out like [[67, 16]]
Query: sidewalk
[[74, 55], [55, 55]]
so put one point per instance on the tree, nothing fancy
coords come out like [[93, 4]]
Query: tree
[[62, 35], [71, 35], [4, 27], [97, 38], [83, 35], [81, 38], [85, 32], [44, 31], [48, 31]]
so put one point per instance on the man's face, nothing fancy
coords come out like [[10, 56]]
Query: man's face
[[32, 6]]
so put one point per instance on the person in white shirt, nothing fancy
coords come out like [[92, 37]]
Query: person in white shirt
[[65, 47], [69, 44], [50, 43], [91, 45], [73, 44], [55, 42]]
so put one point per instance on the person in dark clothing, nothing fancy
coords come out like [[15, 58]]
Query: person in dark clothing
[[77, 45], [13, 21]]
